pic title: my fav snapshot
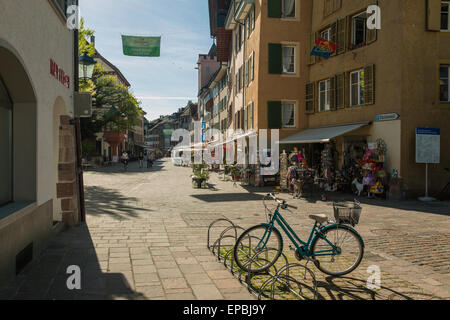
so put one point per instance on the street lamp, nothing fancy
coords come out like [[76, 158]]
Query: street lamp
[[86, 66]]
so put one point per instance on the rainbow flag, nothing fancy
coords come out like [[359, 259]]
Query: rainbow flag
[[324, 48]]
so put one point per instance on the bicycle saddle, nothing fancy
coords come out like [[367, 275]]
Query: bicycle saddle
[[319, 218]]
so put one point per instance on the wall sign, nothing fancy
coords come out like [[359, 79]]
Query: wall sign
[[387, 117], [59, 74], [428, 145]]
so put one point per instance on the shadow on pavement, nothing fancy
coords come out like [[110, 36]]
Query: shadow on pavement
[[228, 197], [102, 201], [133, 168], [349, 288], [46, 278]]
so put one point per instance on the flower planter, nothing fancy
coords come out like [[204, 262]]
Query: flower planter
[[114, 138], [198, 182]]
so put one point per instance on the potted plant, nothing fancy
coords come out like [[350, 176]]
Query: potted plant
[[200, 175]]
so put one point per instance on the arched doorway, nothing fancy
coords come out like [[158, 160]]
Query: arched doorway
[[21, 145]]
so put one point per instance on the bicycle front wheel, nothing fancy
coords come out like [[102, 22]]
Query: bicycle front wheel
[[346, 258], [258, 248]]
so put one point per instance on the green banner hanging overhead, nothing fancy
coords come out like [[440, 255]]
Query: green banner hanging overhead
[[141, 46]]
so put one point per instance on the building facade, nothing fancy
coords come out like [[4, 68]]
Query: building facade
[[378, 85], [38, 184], [398, 73]]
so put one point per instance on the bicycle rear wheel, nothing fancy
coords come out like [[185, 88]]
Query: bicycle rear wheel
[[335, 263], [258, 248]]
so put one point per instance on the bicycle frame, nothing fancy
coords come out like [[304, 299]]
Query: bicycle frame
[[304, 248]]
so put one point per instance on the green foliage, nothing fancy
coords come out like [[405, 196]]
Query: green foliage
[[107, 91], [84, 36], [88, 147], [200, 171]]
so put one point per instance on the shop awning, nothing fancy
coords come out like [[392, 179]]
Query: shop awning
[[322, 135]]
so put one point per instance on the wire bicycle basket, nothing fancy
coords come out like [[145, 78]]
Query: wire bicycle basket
[[347, 214]]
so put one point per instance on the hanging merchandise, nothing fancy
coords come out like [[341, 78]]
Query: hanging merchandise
[[283, 170]]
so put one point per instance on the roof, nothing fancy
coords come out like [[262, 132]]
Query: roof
[[116, 70]]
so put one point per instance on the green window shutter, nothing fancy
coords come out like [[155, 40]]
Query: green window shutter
[[275, 8], [275, 58], [332, 93], [340, 91], [434, 15], [274, 114], [341, 36], [369, 85], [310, 97]]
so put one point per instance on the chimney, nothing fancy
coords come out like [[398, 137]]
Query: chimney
[[93, 40]]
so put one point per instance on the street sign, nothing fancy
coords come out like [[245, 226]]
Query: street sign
[[204, 138], [428, 145], [387, 117], [428, 150]]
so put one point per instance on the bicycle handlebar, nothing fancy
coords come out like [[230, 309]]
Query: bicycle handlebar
[[283, 203]]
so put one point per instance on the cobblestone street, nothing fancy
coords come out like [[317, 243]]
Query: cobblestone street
[[146, 232]]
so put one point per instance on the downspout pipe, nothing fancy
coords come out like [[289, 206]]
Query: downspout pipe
[[80, 180]]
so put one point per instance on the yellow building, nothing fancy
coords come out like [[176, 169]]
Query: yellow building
[[381, 84]]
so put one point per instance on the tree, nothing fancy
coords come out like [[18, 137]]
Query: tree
[[106, 92]]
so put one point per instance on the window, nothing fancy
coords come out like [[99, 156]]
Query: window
[[357, 88], [444, 76], [245, 118], [445, 16], [247, 26], [252, 20], [324, 95], [252, 66], [288, 114], [326, 34], [246, 72], [359, 29], [289, 8], [6, 168], [289, 59], [250, 115]]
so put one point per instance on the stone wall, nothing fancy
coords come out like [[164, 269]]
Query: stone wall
[[67, 187]]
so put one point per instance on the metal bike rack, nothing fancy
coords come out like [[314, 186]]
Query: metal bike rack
[[284, 280]]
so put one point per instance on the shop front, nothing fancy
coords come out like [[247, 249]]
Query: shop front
[[350, 158]]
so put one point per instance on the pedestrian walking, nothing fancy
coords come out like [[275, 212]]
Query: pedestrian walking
[[125, 159], [141, 160]]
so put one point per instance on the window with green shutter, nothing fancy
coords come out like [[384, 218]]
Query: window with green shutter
[[369, 85], [274, 115], [250, 116], [310, 97], [275, 8], [275, 58]]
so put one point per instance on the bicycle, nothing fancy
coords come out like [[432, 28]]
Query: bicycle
[[256, 250]]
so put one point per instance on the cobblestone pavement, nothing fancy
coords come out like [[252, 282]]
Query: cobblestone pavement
[[145, 238]]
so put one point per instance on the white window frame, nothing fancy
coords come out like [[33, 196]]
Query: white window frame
[[353, 29], [448, 83], [283, 104], [351, 85], [448, 16], [283, 10], [327, 102], [328, 31], [295, 58]]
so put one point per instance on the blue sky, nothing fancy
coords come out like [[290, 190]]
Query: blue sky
[[163, 84]]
